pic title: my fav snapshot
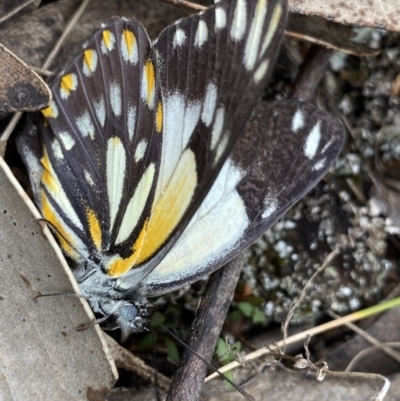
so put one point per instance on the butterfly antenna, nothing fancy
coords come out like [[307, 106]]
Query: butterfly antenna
[[208, 364]]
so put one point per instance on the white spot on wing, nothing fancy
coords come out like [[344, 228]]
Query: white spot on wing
[[272, 27], [180, 120], [239, 22], [217, 127], [220, 19], [56, 149], [66, 139], [115, 98], [100, 110], [271, 206], [251, 52], [312, 141], [298, 121], [136, 205], [201, 34], [261, 71], [85, 125], [116, 171], [210, 103], [88, 178], [221, 148], [320, 164], [179, 38], [131, 121], [140, 150]]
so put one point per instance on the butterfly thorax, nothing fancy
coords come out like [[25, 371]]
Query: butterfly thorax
[[127, 309]]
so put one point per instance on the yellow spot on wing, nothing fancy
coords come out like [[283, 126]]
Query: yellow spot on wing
[[108, 39], [47, 177], [130, 40], [94, 228], [164, 218], [151, 82], [159, 117], [89, 61], [68, 83], [50, 111]]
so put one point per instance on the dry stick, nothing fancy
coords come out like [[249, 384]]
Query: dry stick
[[206, 328], [16, 117], [310, 73], [189, 378], [371, 339], [15, 10], [187, 5]]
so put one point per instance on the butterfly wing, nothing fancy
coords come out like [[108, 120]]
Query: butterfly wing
[[136, 135], [283, 152], [213, 67], [101, 144]]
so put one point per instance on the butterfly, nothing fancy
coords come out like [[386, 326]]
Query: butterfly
[[140, 164]]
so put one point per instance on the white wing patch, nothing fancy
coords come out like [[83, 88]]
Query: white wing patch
[[272, 27], [178, 118], [222, 204], [179, 38], [115, 98], [319, 164], [218, 126], [66, 139], [312, 141], [210, 103], [56, 149], [271, 205], [140, 150], [136, 205], [251, 52], [100, 110], [116, 170], [220, 19], [239, 22], [261, 71], [85, 125], [201, 34], [131, 121], [298, 121]]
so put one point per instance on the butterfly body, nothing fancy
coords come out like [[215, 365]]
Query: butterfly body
[[141, 169]]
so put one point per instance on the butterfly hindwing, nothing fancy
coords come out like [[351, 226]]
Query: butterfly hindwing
[[282, 153]]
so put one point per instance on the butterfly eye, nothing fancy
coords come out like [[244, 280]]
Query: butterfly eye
[[129, 312]]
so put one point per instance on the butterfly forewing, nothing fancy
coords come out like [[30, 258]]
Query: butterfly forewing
[[213, 68], [282, 153], [103, 139]]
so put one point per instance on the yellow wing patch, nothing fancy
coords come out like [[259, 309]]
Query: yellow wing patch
[[164, 217], [159, 117], [107, 44], [129, 46], [68, 83], [148, 83], [50, 111], [94, 228], [89, 62]]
